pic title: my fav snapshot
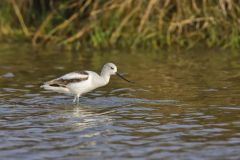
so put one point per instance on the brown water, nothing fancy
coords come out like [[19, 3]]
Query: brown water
[[184, 105]]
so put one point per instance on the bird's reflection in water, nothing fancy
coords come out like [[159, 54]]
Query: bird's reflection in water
[[90, 121]]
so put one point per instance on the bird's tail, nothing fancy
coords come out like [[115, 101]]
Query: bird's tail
[[55, 89]]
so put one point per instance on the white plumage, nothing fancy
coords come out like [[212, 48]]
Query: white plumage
[[78, 83]]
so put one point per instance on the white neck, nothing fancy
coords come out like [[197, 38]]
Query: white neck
[[105, 76]]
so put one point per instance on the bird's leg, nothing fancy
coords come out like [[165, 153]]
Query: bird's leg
[[75, 98]]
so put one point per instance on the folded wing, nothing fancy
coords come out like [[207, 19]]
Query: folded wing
[[60, 84], [73, 77]]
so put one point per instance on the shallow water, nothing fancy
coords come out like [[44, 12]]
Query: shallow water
[[184, 105]]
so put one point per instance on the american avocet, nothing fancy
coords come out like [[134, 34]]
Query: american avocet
[[80, 82]]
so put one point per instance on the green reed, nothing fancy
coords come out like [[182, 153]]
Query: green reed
[[123, 23]]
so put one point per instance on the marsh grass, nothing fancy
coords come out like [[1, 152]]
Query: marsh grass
[[123, 23]]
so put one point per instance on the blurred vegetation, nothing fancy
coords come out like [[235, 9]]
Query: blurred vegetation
[[122, 23]]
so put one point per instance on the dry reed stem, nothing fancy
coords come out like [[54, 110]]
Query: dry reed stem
[[226, 5], [162, 12], [20, 18], [97, 11], [122, 8], [63, 25], [68, 21], [146, 15], [179, 25], [195, 7], [117, 32], [78, 35], [41, 28], [85, 5]]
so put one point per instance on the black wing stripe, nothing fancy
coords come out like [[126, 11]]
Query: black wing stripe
[[68, 81], [63, 82], [81, 72]]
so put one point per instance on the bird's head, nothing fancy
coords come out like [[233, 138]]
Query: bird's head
[[111, 69]]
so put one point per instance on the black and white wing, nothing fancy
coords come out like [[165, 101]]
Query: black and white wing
[[73, 77]]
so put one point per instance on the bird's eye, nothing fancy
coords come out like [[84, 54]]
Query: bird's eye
[[112, 68]]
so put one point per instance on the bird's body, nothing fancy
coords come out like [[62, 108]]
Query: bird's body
[[80, 82]]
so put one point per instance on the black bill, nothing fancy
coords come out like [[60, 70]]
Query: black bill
[[119, 75]]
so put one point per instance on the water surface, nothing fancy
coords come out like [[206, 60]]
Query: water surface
[[184, 105]]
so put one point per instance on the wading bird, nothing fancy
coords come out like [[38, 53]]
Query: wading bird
[[80, 82]]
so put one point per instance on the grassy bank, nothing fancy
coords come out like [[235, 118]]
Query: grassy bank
[[123, 23]]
